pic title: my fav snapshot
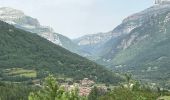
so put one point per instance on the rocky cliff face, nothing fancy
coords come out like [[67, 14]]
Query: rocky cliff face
[[91, 44], [160, 2], [120, 34], [97, 45], [19, 19], [140, 45], [93, 39], [22, 21], [144, 50]]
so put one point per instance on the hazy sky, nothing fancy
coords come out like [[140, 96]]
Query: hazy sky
[[74, 18]]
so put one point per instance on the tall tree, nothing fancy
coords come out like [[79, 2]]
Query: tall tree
[[51, 90]]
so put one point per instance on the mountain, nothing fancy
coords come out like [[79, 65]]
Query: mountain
[[162, 1], [100, 47], [21, 49], [139, 45], [91, 44], [144, 50], [22, 21]]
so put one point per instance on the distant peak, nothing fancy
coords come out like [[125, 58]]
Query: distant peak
[[7, 14], [6, 10], [160, 2]]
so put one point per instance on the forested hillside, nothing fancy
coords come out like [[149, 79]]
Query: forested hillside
[[21, 49]]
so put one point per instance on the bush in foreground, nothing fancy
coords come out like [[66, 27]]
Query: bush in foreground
[[51, 90]]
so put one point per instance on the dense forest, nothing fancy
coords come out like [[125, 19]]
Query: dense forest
[[11, 91], [21, 49]]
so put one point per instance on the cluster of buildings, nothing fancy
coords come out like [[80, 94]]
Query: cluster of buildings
[[84, 86]]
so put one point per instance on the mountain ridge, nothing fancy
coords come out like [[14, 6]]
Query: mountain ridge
[[20, 20], [140, 46], [144, 51]]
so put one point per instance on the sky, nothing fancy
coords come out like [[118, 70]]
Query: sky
[[75, 18]]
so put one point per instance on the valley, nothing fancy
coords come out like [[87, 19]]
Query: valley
[[140, 46], [130, 62]]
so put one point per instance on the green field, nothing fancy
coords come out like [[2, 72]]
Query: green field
[[164, 98], [21, 72]]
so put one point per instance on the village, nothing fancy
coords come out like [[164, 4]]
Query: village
[[84, 86]]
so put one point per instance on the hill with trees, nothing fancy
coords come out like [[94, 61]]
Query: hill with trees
[[27, 51]]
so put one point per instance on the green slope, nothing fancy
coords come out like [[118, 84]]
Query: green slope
[[21, 49], [148, 56]]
